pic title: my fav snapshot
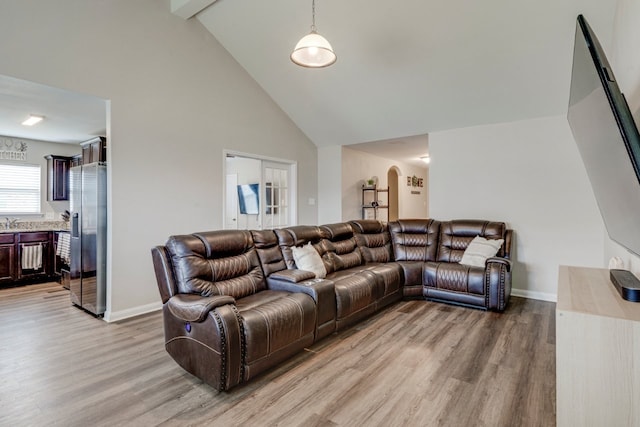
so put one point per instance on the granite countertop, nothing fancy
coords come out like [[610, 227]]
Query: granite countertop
[[26, 226]]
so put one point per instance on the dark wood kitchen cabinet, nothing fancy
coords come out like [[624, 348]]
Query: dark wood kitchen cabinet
[[7, 258], [58, 262], [14, 266], [43, 239], [58, 177], [94, 150], [76, 160]]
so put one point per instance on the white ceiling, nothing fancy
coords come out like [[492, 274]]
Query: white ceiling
[[69, 117], [407, 149], [404, 68], [407, 67]]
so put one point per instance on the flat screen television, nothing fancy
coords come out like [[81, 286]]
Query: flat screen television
[[607, 138], [248, 198]]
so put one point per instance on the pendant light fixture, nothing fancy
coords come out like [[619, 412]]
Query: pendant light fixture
[[313, 50]]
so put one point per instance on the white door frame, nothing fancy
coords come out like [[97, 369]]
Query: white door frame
[[293, 181]]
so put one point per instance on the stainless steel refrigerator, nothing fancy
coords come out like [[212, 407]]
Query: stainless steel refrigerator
[[88, 266]]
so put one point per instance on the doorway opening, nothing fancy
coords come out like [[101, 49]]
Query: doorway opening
[[259, 192], [393, 182]]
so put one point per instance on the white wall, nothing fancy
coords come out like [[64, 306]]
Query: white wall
[[177, 99], [625, 62], [36, 150], [530, 175], [357, 166], [329, 181]]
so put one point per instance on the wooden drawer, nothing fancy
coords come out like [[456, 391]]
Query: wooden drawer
[[6, 238], [36, 236]]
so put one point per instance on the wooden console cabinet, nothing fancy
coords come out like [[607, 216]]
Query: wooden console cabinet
[[597, 351]]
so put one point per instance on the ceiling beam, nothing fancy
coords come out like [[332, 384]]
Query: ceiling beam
[[189, 8]]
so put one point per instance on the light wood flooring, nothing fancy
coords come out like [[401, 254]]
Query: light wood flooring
[[416, 363]]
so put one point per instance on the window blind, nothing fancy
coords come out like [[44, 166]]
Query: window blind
[[19, 189]]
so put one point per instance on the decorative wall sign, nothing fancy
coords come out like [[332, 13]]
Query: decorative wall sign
[[12, 149], [414, 181]]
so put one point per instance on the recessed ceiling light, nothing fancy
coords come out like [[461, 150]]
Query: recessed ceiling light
[[32, 120]]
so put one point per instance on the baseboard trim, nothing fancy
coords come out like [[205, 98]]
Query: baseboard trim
[[542, 296], [115, 316]]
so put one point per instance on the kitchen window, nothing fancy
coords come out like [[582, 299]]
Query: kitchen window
[[19, 189]]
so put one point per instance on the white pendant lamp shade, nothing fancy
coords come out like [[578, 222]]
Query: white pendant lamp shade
[[313, 50]]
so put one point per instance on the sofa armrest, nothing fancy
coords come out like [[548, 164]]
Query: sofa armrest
[[499, 260], [292, 276], [323, 293], [497, 283], [205, 336], [194, 308]]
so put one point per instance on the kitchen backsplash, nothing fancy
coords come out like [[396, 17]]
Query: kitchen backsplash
[[36, 225]]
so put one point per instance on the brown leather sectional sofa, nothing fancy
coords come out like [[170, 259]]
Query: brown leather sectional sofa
[[235, 303]]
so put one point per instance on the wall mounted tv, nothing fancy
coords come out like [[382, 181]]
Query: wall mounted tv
[[607, 138], [248, 198]]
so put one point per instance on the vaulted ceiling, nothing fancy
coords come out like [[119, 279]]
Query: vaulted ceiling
[[406, 67]]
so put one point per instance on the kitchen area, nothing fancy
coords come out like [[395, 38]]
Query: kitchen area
[[71, 249], [53, 210]]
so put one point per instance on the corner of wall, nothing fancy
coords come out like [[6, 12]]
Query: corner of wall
[[630, 260], [116, 316]]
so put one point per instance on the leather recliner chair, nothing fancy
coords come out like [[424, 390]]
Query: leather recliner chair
[[222, 322]]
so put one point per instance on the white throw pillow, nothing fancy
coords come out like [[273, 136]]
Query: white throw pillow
[[307, 258], [479, 250]]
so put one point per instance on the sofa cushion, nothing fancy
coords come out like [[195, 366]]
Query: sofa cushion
[[269, 253], [307, 258], [299, 235], [342, 249], [454, 277], [456, 235], [216, 263], [415, 239], [275, 320], [349, 258], [373, 239], [391, 275], [479, 250], [355, 291]]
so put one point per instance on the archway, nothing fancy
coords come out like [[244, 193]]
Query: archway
[[392, 181]]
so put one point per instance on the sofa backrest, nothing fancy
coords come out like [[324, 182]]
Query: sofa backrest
[[415, 239], [299, 235], [456, 235], [373, 239], [269, 253], [341, 247], [221, 262], [164, 273]]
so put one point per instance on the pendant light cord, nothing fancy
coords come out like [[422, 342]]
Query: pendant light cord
[[313, 16]]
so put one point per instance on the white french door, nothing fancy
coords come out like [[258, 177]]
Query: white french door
[[259, 192], [275, 177], [231, 202]]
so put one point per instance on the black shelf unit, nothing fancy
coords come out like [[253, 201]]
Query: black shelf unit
[[373, 192]]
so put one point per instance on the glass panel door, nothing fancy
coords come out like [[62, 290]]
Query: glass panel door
[[275, 177], [259, 193]]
